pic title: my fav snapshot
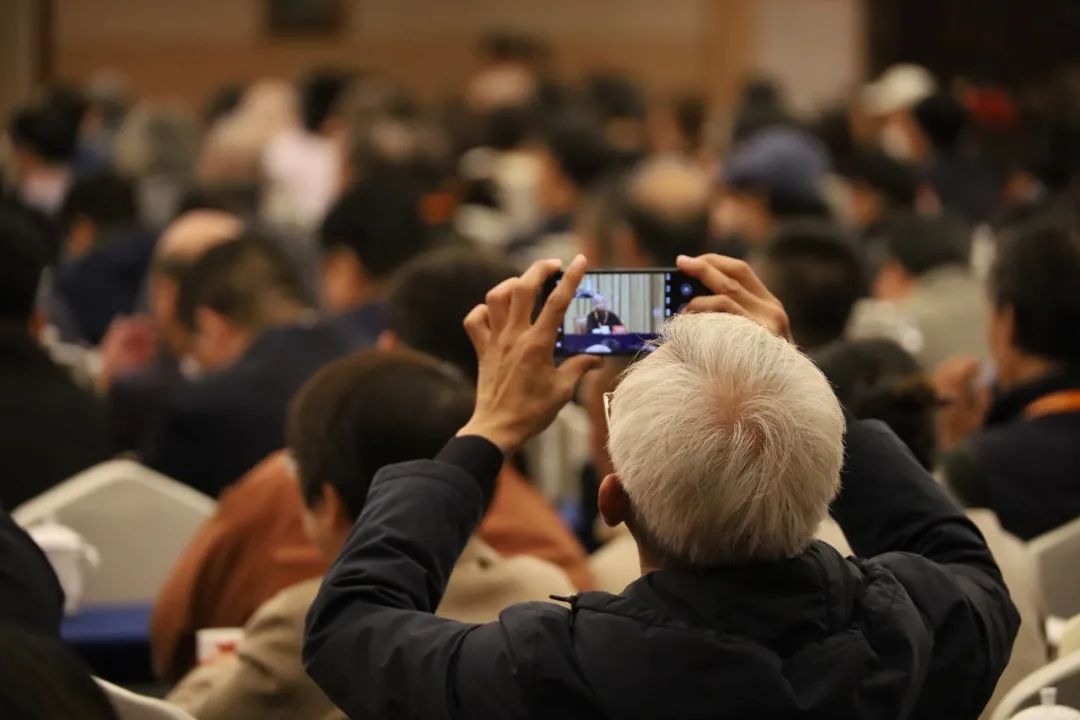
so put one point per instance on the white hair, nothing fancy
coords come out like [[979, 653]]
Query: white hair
[[728, 441]]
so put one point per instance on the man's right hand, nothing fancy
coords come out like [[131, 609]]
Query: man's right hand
[[738, 290], [129, 345]]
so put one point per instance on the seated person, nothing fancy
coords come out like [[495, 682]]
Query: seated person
[[355, 416], [600, 319], [256, 341], [1020, 457], [53, 429], [728, 447]]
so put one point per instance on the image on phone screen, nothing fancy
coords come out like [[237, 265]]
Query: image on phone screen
[[620, 312]]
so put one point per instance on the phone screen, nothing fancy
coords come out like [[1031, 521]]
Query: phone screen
[[620, 312]]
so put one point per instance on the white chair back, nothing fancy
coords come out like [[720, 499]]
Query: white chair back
[[1062, 674], [139, 521], [130, 706], [1070, 637], [1055, 555]]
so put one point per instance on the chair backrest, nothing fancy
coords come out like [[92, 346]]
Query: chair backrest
[[1070, 637], [138, 520], [1063, 674], [1055, 555], [130, 706]]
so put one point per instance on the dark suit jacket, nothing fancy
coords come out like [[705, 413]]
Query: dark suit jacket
[[30, 594], [52, 429], [216, 428]]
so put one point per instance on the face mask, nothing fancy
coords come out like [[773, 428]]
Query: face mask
[[895, 142]]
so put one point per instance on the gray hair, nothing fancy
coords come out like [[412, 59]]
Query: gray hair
[[729, 443]]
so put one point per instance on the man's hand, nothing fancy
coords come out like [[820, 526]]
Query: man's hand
[[519, 390], [738, 290], [130, 344], [957, 383]]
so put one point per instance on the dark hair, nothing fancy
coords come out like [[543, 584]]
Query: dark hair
[[372, 409], [106, 199], [223, 101], [379, 220], [922, 243], [1037, 274], [877, 379], [616, 96], [576, 141], [817, 272], [893, 180], [432, 295], [239, 279], [22, 260], [50, 127], [319, 94], [41, 679], [942, 118], [664, 236]]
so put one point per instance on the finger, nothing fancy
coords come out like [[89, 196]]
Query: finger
[[551, 316], [573, 369], [478, 327], [740, 271], [498, 304], [528, 289], [718, 303]]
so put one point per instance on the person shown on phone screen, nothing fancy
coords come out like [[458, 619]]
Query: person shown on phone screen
[[601, 320]]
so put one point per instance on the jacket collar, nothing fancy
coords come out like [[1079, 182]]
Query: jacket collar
[[787, 603], [1010, 405]]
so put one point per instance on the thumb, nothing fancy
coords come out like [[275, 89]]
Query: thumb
[[572, 370]]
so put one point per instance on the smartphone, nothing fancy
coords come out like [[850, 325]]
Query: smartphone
[[619, 312]]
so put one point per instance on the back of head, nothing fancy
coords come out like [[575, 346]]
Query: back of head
[[892, 179], [922, 243], [432, 295], [320, 92], [816, 271], [41, 679], [1037, 275], [729, 443], [942, 119], [250, 281], [192, 234], [22, 260], [667, 209], [49, 128], [106, 199], [378, 220], [785, 165], [575, 139], [877, 379], [372, 409]]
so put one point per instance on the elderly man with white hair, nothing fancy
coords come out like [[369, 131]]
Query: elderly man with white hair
[[729, 447]]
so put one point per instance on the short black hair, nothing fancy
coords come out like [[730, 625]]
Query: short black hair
[[239, 279], [320, 92], [942, 118], [23, 256], [921, 243], [106, 199], [1037, 274], [379, 219], [879, 380], [895, 181], [49, 128], [576, 140], [368, 410], [42, 679], [816, 271], [663, 236], [432, 295]]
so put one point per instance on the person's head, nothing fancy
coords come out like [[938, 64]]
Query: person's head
[[574, 156], [233, 292], [359, 414], [429, 299], [1035, 296], [875, 185], [941, 120], [22, 260], [815, 270], [178, 247], [877, 379], [95, 207], [776, 174], [727, 444], [665, 213], [46, 132], [319, 94], [41, 679], [889, 102], [372, 230], [915, 245], [599, 303]]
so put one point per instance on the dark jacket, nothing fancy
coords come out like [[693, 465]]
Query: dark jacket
[[922, 629], [218, 427], [136, 401], [1025, 470], [30, 594], [50, 429]]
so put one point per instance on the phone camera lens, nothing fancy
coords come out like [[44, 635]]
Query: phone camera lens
[[686, 289]]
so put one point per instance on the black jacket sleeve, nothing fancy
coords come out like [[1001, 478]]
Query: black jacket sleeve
[[30, 594], [372, 642], [896, 514]]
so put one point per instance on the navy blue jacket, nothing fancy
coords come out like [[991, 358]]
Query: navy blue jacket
[[922, 629]]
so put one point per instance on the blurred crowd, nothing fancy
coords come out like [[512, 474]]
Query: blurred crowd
[[171, 277]]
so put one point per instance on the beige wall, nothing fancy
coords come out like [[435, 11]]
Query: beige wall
[[19, 52], [188, 47]]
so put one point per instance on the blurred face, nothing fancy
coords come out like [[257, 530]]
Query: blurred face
[[555, 195], [600, 304], [864, 206], [1001, 333], [217, 343], [325, 523], [741, 215], [345, 286], [163, 292]]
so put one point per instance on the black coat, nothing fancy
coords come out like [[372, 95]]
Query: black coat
[[216, 428], [50, 428], [921, 630], [30, 594]]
